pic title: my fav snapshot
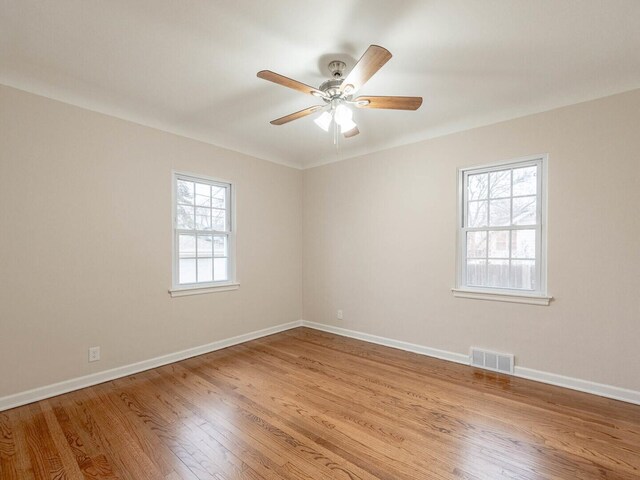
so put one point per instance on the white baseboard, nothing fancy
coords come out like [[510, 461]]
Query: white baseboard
[[388, 342], [603, 390], [52, 390], [55, 389]]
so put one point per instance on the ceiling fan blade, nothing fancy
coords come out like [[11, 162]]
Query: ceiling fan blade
[[294, 116], [371, 61], [289, 82], [351, 133], [393, 103]]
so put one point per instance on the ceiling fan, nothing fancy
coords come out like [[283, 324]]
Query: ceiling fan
[[338, 93]]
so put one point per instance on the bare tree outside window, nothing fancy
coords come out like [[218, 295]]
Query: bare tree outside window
[[202, 230], [500, 226]]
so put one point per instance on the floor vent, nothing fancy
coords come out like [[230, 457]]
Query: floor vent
[[498, 362]]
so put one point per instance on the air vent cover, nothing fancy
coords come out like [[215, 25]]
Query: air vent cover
[[497, 362]]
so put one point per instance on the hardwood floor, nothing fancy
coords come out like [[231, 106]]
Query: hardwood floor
[[309, 405]]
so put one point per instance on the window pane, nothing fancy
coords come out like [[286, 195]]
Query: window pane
[[477, 186], [477, 214], [523, 244], [205, 244], [499, 212], [220, 269], [525, 181], [523, 274], [186, 246], [524, 211], [187, 271], [499, 244], [203, 218], [501, 227], [205, 269], [498, 273], [203, 195], [219, 197], [219, 219], [220, 246], [184, 191], [184, 218], [500, 184], [476, 244], [200, 255], [476, 272]]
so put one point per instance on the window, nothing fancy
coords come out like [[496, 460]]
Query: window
[[203, 233], [501, 248]]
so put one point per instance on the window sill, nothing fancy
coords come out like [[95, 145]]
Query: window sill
[[185, 291], [502, 297]]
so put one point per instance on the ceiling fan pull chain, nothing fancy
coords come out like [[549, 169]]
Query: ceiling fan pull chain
[[335, 125]]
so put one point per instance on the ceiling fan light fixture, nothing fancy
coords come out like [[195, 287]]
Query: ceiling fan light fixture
[[343, 115], [347, 126], [324, 121]]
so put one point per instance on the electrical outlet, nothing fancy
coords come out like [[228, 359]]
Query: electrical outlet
[[339, 315], [94, 354]]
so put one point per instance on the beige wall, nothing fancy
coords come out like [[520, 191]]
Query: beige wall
[[379, 242], [85, 243], [378, 235]]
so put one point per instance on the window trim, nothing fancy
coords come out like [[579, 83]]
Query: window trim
[[536, 297], [178, 290]]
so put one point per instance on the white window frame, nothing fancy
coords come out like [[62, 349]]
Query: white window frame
[[535, 297], [177, 289]]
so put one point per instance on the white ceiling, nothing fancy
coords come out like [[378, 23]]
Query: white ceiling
[[190, 66]]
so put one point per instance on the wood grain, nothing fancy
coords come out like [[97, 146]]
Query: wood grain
[[294, 116], [351, 133], [308, 405], [289, 83], [390, 103], [371, 61]]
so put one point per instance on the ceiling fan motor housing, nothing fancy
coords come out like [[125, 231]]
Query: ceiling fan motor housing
[[332, 87], [337, 68]]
